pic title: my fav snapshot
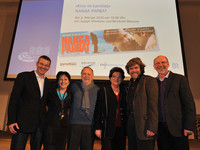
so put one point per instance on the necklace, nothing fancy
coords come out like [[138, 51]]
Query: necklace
[[61, 114], [115, 90]]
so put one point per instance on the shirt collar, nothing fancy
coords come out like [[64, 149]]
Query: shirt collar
[[138, 78], [166, 76], [38, 75]]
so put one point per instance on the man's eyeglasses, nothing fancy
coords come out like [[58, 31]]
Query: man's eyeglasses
[[163, 63]]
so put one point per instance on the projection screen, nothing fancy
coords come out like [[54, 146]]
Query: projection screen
[[101, 34]]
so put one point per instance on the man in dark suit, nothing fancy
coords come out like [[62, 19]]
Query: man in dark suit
[[176, 108], [142, 107], [27, 106]]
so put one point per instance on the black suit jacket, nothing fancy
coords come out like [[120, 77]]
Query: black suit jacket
[[107, 123], [179, 105], [26, 107]]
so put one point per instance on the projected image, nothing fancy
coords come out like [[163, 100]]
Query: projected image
[[75, 34], [108, 41], [131, 39]]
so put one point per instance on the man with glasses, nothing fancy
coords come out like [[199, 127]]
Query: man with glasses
[[27, 106], [176, 108], [142, 107]]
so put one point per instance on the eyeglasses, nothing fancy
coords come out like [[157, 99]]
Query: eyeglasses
[[44, 65], [119, 77], [163, 63]]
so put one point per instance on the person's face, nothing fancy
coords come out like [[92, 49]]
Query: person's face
[[134, 71], [87, 76], [63, 82], [124, 40], [161, 65], [116, 79], [43, 66]]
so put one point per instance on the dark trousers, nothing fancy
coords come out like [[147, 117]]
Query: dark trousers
[[55, 138], [118, 142], [168, 142], [133, 142], [19, 140], [81, 135]]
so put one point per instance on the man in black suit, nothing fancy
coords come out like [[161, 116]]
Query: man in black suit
[[176, 108], [27, 106]]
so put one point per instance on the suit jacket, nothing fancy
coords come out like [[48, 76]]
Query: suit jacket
[[55, 108], [26, 107], [145, 107], [179, 106], [107, 123]]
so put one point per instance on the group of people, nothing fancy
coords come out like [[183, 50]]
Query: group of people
[[145, 110]]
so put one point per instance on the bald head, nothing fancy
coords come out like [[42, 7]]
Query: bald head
[[87, 75], [161, 65], [160, 56]]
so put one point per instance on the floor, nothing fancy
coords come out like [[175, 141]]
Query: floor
[[5, 139]]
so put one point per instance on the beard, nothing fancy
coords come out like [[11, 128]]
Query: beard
[[135, 75]]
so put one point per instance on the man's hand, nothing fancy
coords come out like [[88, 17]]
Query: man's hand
[[150, 134], [12, 128], [187, 132], [98, 133]]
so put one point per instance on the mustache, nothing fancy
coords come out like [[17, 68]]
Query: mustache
[[135, 72], [161, 67]]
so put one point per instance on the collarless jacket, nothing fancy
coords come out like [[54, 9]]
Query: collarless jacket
[[179, 106], [145, 107], [55, 108], [26, 106], [105, 120]]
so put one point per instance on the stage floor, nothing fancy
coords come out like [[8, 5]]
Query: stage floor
[[5, 139]]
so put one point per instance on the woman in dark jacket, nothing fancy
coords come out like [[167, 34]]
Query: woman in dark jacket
[[110, 113], [57, 120]]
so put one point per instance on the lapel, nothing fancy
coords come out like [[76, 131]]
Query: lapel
[[120, 94], [35, 82], [45, 86], [139, 86], [169, 83], [114, 98], [36, 85]]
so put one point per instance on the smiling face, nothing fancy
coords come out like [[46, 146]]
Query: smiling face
[[116, 79], [63, 82], [43, 66], [87, 76], [161, 65], [134, 71]]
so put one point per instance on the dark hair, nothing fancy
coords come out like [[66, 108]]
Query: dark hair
[[135, 61], [59, 74], [117, 69], [44, 57]]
